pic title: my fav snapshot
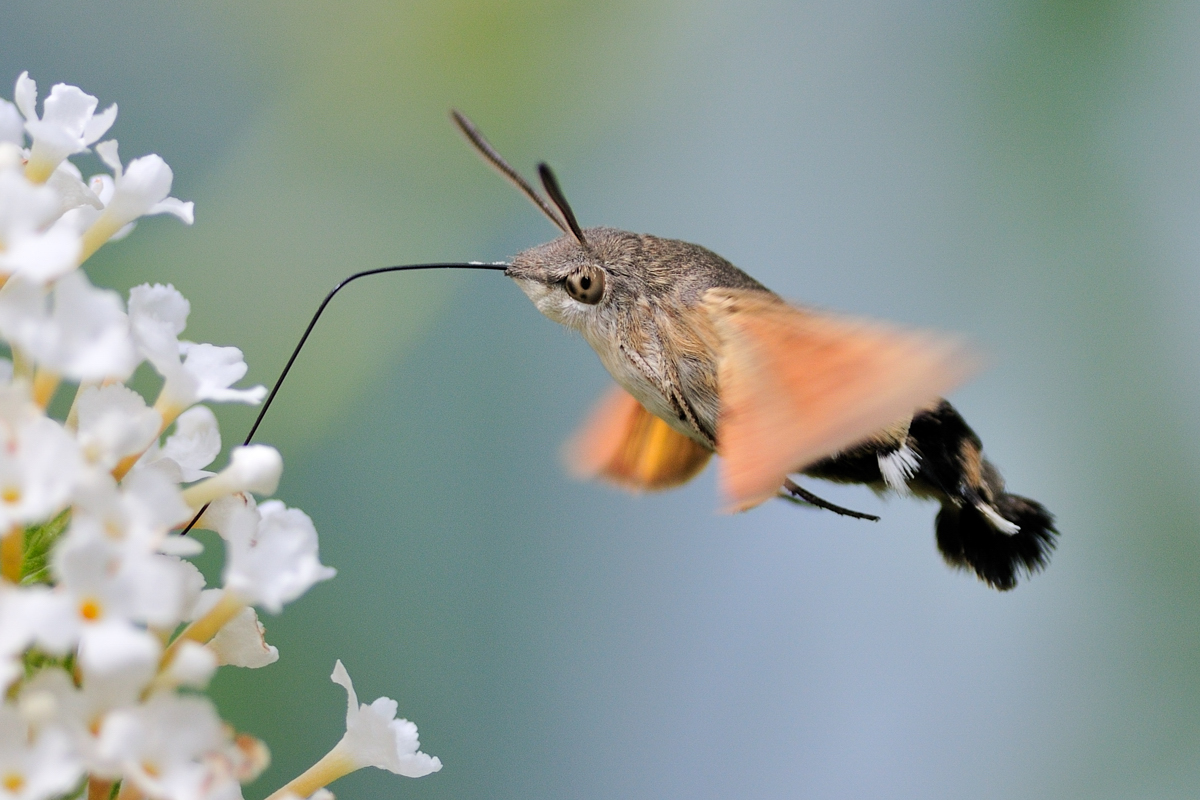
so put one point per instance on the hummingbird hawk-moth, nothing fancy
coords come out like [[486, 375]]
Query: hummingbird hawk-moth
[[708, 360]]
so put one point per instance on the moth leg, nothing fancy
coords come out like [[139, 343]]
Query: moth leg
[[797, 494]]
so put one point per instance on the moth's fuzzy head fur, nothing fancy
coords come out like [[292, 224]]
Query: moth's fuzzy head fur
[[642, 275]]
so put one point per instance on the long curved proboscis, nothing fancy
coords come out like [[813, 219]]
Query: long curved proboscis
[[498, 266], [490, 155]]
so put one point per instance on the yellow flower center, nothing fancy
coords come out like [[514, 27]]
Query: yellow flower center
[[91, 610], [13, 782], [10, 495]]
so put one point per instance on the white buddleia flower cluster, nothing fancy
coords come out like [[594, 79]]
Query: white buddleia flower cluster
[[108, 635]]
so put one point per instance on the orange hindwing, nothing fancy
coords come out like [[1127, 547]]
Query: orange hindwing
[[625, 444]]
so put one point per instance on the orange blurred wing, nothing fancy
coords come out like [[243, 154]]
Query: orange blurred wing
[[797, 386], [625, 444]]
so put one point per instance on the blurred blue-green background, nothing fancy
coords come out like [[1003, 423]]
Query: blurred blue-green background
[[1027, 173]]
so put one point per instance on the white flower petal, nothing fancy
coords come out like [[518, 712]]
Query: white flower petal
[[42, 257], [24, 206], [116, 649], [194, 593], [157, 315], [47, 618], [39, 468], [276, 562], [114, 422], [25, 95], [118, 577], [40, 767], [12, 127], [213, 370], [71, 189], [69, 108], [103, 186], [176, 207], [193, 665], [98, 125], [163, 746], [108, 152], [141, 188], [123, 232], [242, 642], [11, 157], [146, 181], [182, 546], [193, 446], [87, 335]]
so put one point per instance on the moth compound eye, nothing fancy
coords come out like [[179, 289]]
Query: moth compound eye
[[586, 285]]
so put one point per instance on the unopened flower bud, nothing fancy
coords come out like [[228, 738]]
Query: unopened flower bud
[[253, 468]]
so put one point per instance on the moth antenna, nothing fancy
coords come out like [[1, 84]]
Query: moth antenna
[[489, 154], [313, 323], [560, 200]]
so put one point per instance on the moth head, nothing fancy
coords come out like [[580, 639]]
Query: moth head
[[569, 283], [578, 279]]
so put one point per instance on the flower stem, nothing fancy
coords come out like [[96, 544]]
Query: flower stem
[[124, 465], [22, 366], [168, 413], [205, 628], [12, 554], [45, 383], [99, 789], [72, 422], [129, 791], [332, 766], [94, 237], [38, 170]]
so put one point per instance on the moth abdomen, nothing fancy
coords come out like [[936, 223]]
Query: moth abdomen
[[969, 538], [981, 527]]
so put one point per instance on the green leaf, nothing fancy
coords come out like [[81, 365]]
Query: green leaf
[[39, 541]]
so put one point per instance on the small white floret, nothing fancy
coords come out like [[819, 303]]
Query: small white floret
[[157, 317], [169, 747], [139, 189], [214, 370], [77, 330], [276, 561], [68, 125], [28, 246], [114, 422], [195, 442], [376, 738], [109, 579], [35, 767], [255, 468], [252, 468], [40, 465]]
